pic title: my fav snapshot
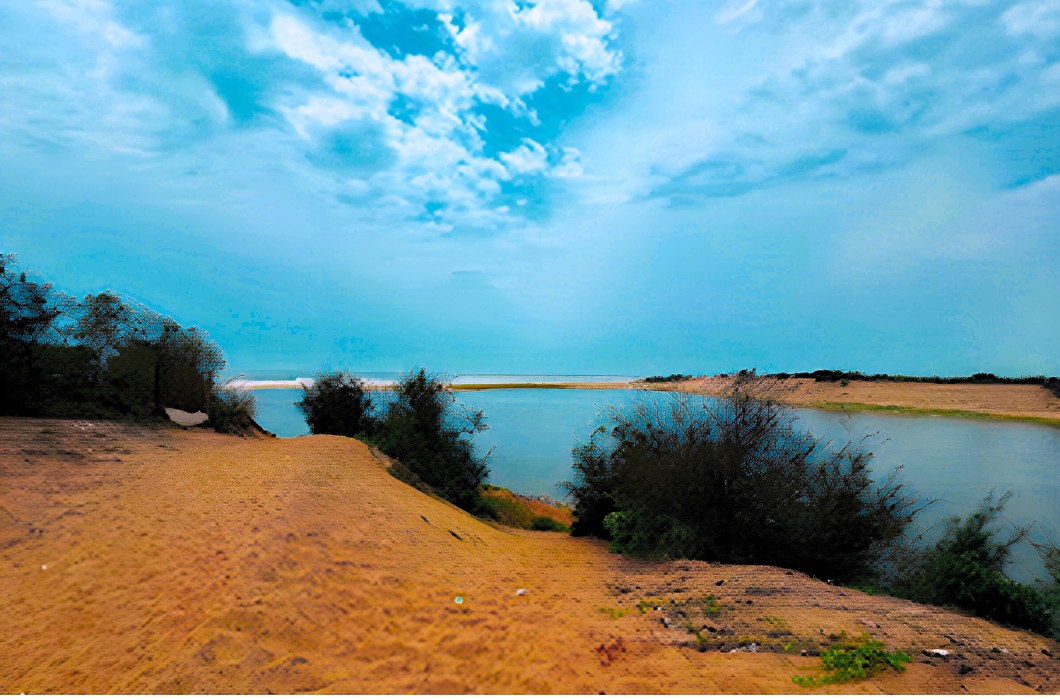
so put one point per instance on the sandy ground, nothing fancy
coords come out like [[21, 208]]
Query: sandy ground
[[165, 560], [1002, 400]]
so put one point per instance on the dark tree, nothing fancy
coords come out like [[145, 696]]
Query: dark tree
[[425, 428], [337, 403], [733, 480]]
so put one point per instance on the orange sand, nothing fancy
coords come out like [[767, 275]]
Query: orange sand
[[1002, 400], [185, 561]]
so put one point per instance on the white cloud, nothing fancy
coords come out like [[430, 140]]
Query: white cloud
[[530, 158], [1040, 18], [93, 18], [438, 156], [571, 165]]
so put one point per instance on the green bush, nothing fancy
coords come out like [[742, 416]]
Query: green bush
[[418, 423], [855, 661], [232, 410], [548, 524], [337, 403], [966, 568], [732, 480]]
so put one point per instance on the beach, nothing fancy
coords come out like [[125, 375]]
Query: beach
[[157, 559], [998, 401]]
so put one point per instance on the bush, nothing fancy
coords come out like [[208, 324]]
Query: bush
[[548, 524], [855, 661], [424, 428], [232, 410], [418, 423], [966, 568], [337, 403], [732, 480]]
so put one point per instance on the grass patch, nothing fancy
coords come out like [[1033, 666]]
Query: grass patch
[[711, 607], [525, 513], [855, 661], [546, 523], [614, 613], [916, 411]]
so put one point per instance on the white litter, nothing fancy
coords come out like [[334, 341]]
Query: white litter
[[941, 653], [521, 591], [43, 567]]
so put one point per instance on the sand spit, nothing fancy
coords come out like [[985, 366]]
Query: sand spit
[[165, 560], [1013, 401]]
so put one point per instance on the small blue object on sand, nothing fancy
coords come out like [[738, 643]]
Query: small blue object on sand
[[459, 600]]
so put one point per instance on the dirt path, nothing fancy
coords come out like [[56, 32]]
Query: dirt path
[[998, 400], [184, 561]]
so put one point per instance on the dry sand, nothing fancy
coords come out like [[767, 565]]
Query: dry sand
[[185, 561], [998, 400]]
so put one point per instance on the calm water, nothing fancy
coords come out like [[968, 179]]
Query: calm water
[[957, 461]]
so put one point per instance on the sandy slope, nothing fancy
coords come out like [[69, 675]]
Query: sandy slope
[[187, 561], [1007, 400]]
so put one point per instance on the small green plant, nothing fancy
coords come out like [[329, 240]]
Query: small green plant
[[711, 607], [855, 661], [646, 605], [548, 524], [613, 613], [776, 622], [702, 641], [788, 646]]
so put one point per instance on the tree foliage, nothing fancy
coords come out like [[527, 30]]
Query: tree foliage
[[733, 480], [337, 403], [418, 422], [101, 357]]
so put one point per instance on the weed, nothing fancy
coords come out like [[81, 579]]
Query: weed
[[614, 614], [549, 524], [711, 607], [855, 661]]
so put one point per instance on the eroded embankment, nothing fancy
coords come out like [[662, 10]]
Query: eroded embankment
[[162, 560]]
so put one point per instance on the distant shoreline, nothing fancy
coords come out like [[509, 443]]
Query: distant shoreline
[[1020, 402], [978, 401]]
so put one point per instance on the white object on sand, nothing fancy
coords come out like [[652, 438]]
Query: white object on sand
[[186, 419], [43, 567], [521, 591], [941, 653]]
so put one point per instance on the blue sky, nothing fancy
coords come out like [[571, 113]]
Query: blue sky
[[554, 186]]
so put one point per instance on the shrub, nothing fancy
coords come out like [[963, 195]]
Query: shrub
[[855, 661], [732, 480], [337, 403], [232, 410], [424, 428], [548, 524], [966, 568]]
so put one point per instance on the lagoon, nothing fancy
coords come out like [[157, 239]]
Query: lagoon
[[955, 460]]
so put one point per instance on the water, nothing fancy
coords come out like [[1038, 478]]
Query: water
[[957, 461]]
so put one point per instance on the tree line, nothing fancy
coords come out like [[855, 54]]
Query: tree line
[[104, 357]]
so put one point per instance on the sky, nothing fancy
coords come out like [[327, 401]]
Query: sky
[[562, 186]]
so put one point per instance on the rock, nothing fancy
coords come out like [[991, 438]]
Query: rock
[[665, 622], [804, 652], [753, 648], [186, 419], [939, 653]]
